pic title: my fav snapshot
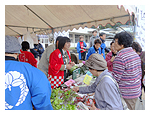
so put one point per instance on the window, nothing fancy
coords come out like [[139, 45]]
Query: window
[[71, 40], [70, 35], [77, 38], [46, 40], [86, 39]]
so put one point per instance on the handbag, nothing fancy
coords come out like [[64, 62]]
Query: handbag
[[125, 107]]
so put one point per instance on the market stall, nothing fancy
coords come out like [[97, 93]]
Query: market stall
[[64, 98]]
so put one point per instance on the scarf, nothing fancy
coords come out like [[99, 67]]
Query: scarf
[[102, 40]]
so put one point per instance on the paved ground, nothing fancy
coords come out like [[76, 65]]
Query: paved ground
[[141, 105]]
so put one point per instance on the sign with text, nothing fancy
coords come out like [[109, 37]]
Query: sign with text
[[88, 78], [140, 26]]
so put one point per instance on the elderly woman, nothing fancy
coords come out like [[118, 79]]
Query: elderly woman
[[111, 56], [127, 69], [107, 95], [138, 49], [60, 63]]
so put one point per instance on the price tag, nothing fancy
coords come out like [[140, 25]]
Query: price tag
[[87, 79]]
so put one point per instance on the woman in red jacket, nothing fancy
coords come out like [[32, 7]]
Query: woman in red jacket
[[111, 56], [60, 63], [27, 56]]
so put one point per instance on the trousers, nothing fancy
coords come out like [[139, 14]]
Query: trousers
[[131, 103]]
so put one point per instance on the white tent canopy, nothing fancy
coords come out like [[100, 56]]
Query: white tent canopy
[[48, 18]]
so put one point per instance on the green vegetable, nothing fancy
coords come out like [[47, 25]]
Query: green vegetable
[[63, 100], [73, 68]]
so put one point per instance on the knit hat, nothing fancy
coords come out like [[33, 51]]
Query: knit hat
[[12, 45], [97, 62]]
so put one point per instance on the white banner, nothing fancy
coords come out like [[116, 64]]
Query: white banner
[[140, 26]]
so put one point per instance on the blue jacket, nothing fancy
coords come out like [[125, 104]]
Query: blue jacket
[[39, 51], [79, 48], [103, 46], [26, 85], [91, 51]]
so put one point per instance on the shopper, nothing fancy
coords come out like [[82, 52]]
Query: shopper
[[27, 56], [111, 56], [107, 95], [93, 38], [137, 48], [127, 69], [60, 63], [44, 61], [81, 48], [25, 85], [95, 48], [37, 50], [103, 45]]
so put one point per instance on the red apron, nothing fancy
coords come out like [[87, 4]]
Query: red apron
[[55, 75]]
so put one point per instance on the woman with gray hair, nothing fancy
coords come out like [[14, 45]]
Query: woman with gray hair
[[107, 96]]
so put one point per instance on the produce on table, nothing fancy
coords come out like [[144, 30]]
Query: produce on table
[[84, 69], [66, 99], [73, 68], [63, 99]]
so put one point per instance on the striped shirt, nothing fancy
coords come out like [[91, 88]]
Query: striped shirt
[[127, 72]]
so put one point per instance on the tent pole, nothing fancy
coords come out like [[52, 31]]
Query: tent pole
[[38, 16], [13, 30], [53, 34], [117, 24], [24, 27]]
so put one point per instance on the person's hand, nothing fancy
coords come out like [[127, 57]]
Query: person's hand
[[72, 63], [115, 52], [76, 89], [112, 59], [102, 54], [68, 66], [35, 49], [93, 107]]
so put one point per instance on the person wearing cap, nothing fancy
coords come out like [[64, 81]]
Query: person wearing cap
[[107, 95], [93, 38], [27, 56], [95, 48], [25, 85], [37, 50], [44, 61]]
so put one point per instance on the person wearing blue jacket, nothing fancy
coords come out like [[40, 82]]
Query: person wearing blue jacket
[[81, 48], [37, 50], [103, 45], [95, 48], [25, 86]]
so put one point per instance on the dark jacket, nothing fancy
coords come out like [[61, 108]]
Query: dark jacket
[[39, 51]]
